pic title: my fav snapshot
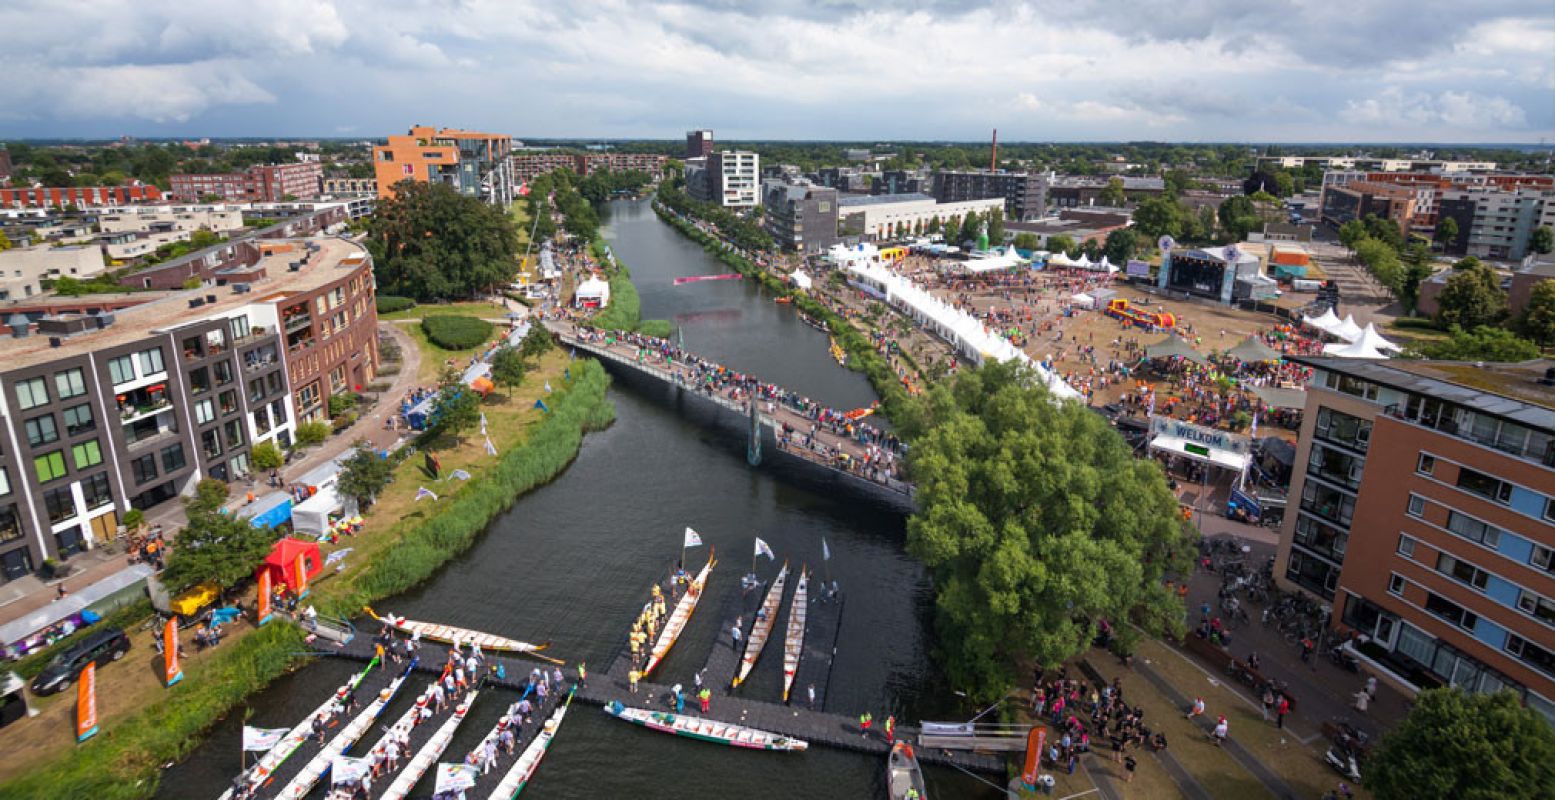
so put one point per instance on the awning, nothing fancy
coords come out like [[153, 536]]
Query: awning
[[1275, 397], [1174, 346], [1177, 445], [1253, 350]]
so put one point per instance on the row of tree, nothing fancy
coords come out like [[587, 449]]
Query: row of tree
[[744, 232]]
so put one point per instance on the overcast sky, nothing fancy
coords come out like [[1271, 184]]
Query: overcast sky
[[1202, 70]]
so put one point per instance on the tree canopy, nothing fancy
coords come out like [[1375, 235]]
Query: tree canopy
[[1465, 746], [364, 475], [1037, 521], [1120, 245], [1471, 297], [1238, 216], [1483, 343], [216, 547], [1543, 240], [430, 242], [507, 368], [1537, 320]]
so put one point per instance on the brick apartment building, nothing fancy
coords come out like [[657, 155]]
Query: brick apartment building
[[80, 196], [528, 166], [1426, 517], [474, 164], [270, 183]]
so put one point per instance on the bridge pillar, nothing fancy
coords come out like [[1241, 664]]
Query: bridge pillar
[[753, 448]]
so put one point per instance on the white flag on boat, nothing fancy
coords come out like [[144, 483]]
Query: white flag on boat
[[424, 492], [261, 739], [491, 449], [483, 423], [763, 550], [345, 769], [825, 551], [692, 539], [459, 475], [455, 777]]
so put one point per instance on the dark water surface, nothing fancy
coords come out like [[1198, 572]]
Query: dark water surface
[[569, 564]]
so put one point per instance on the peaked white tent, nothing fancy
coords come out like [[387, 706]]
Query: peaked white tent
[[1371, 338], [1356, 349], [593, 293], [1106, 266], [1082, 300], [1324, 323], [1084, 262], [1347, 330], [801, 280], [1060, 259]]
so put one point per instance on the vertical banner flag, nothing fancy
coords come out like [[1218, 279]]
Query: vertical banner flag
[[86, 703], [1036, 742], [825, 551], [455, 777], [171, 671], [1253, 431], [547, 387], [483, 423], [692, 539], [262, 607], [260, 740], [302, 575], [763, 550], [491, 450]]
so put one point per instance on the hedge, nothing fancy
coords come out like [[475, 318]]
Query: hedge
[[456, 333], [657, 328], [1417, 323], [388, 303]]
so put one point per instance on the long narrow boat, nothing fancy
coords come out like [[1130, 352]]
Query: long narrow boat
[[679, 617], [762, 629], [449, 634], [429, 753], [495, 733], [266, 766], [839, 354], [305, 780], [524, 768], [903, 774], [793, 640], [403, 726], [707, 730]]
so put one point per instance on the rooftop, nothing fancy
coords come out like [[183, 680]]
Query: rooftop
[[170, 310], [854, 201], [1511, 391]]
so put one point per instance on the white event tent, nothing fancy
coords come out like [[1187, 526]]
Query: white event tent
[[1324, 323], [1347, 330]]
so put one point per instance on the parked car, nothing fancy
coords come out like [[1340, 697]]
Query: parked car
[[99, 647]]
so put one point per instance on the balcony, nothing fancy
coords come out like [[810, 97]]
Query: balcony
[[1533, 446], [161, 438], [298, 322]]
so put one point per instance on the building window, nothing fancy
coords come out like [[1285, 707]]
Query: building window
[[204, 411], [5, 482], [1406, 546], [1342, 428], [239, 465], [1416, 506], [1426, 465], [70, 383], [31, 393], [1531, 654], [143, 469], [256, 390], [173, 458], [87, 454], [210, 443], [1549, 509], [50, 466], [1536, 606], [96, 490], [223, 372], [1462, 571], [1473, 530], [227, 401], [41, 430], [121, 370], [10, 529], [78, 419], [199, 381], [1543, 558], [1450, 611], [1396, 584], [308, 396], [60, 504], [234, 430], [151, 361], [1485, 486]]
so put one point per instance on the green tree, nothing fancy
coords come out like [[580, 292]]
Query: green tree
[[221, 548], [364, 474], [1351, 232], [1468, 746], [1238, 216], [1027, 241], [507, 368], [266, 456], [1543, 240], [1465, 263], [1061, 243], [201, 239], [1284, 184], [432, 243], [996, 228], [934, 224], [1384, 230], [456, 410], [1176, 181], [1036, 522], [537, 342], [1112, 194], [1537, 321], [113, 177], [1157, 216], [209, 496], [970, 227], [1446, 233], [1484, 343], [1120, 246], [1471, 297], [312, 433], [1416, 268]]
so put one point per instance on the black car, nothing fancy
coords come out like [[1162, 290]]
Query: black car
[[100, 647]]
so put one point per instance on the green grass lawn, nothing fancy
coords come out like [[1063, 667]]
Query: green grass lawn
[[475, 308], [435, 359]]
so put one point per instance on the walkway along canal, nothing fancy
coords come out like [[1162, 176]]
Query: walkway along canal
[[570, 564]]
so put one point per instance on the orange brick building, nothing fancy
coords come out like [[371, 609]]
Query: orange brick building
[[474, 164]]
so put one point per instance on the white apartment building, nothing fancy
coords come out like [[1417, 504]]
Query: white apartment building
[[21, 268], [140, 219], [880, 216], [736, 178]]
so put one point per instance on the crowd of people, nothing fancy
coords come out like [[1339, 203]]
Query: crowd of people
[[1080, 713]]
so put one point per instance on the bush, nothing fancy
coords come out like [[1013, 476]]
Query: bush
[[134, 518], [388, 303], [341, 403], [660, 328], [1125, 641], [266, 455], [312, 433], [456, 333], [1416, 323]]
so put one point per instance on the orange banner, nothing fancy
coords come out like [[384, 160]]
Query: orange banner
[[172, 673], [1036, 742], [262, 602], [302, 575], [86, 703]]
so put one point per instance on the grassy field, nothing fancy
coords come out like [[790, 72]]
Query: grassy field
[[435, 359], [473, 308]]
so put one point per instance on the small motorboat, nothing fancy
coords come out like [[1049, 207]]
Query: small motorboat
[[904, 775], [783, 301]]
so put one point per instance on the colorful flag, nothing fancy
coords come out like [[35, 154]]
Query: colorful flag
[[1253, 431], [523, 190], [483, 423], [423, 492], [171, 672], [763, 550], [256, 740], [455, 777], [491, 449], [262, 611], [337, 556], [540, 404], [86, 703], [692, 539], [825, 551], [459, 475], [302, 575]]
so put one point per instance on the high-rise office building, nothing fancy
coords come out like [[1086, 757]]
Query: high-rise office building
[[699, 144]]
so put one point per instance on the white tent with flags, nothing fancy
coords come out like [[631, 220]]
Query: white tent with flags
[[1347, 330], [1060, 259], [1084, 262], [1324, 323]]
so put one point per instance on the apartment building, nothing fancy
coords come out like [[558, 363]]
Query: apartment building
[[266, 183], [1382, 164], [730, 178], [1084, 192], [1359, 199], [1496, 223], [801, 217], [1024, 193], [145, 219], [699, 144], [530, 166], [881, 217], [81, 196], [334, 186], [475, 164], [22, 269], [1426, 517]]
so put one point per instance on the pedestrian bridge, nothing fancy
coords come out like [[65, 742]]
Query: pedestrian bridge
[[834, 452]]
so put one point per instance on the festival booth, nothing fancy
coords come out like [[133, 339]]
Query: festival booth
[[592, 293], [1252, 350], [311, 515], [801, 280], [1207, 446], [1082, 300], [1347, 330], [992, 262], [1173, 346], [282, 563], [271, 511]]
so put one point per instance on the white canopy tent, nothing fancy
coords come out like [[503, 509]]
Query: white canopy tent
[[1082, 300], [593, 291], [1371, 338], [1060, 259], [801, 280], [1008, 259], [1347, 330], [1324, 323], [1357, 349]]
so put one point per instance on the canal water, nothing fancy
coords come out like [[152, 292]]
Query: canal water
[[569, 564]]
